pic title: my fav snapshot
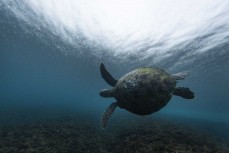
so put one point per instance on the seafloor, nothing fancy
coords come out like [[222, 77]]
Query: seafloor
[[125, 134]]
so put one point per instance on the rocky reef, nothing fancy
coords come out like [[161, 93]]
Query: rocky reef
[[129, 134]]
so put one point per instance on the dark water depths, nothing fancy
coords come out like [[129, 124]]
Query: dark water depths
[[39, 82]]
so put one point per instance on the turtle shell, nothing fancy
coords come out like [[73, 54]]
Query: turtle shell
[[144, 90]]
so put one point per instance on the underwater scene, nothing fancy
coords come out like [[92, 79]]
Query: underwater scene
[[112, 76]]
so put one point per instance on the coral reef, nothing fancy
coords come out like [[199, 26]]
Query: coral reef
[[124, 135]]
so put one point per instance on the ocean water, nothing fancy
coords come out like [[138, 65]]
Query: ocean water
[[50, 53]]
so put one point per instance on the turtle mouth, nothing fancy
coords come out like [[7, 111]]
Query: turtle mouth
[[103, 93], [106, 93]]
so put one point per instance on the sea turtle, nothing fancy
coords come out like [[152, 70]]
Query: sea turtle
[[142, 91]]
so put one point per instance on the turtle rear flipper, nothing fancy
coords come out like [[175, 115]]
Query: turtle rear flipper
[[107, 76], [184, 93], [107, 114], [180, 75]]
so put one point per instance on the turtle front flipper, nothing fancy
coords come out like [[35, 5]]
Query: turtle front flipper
[[107, 76], [184, 93], [107, 114]]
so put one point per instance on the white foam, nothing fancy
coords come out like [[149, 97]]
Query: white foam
[[158, 28]]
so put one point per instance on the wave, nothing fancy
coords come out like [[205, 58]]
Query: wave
[[153, 31]]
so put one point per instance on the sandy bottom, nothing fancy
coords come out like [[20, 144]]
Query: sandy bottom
[[129, 134]]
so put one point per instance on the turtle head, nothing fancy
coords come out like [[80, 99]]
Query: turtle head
[[106, 93]]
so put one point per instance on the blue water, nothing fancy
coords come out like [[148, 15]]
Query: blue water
[[42, 76]]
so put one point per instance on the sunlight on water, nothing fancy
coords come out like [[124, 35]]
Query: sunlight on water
[[159, 28]]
